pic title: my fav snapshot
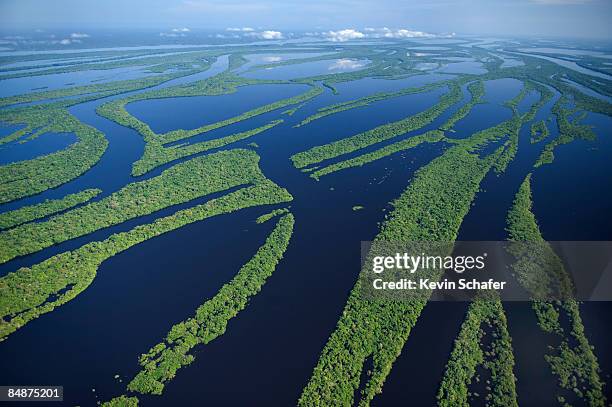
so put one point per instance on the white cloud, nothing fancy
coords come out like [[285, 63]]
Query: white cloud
[[271, 35], [344, 35], [266, 35], [250, 32], [243, 29], [373, 32], [385, 32], [403, 33], [345, 64], [79, 35], [272, 59], [65, 41], [181, 30]]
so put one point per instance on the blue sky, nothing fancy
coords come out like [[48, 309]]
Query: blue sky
[[564, 18]]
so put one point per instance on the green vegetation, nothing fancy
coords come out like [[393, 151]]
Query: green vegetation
[[568, 132], [30, 177], [182, 183], [511, 128], [100, 90], [235, 61], [16, 135], [220, 84], [217, 85], [548, 73], [30, 292], [182, 134], [291, 112], [522, 224], [545, 96], [377, 330], [270, 215], [573, 361], [87, 92], [21, 179], [485, 318], [514, 102], [539, 131], [121, 401], [156, 154], [477, 92], [378, 134], [429, 137], [49, 207], [155, 63], [541, 272], [430, 209], [365, 101], [210, 321]]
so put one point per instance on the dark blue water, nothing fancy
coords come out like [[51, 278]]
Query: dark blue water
[[351, 122], [487, 217], [355, 89], [285, 317], [168, 114], [486, 220], [125, 147], [7, 129], [279, 320], [418, 370], [530, 99], [490, 111], [572, 194], [408, 375], [136, 297], [42, 145], [498, 91]]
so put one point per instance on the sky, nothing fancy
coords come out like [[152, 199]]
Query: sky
[[557, 18]]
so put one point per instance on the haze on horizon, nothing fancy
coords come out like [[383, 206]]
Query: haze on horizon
[[555, 18]]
